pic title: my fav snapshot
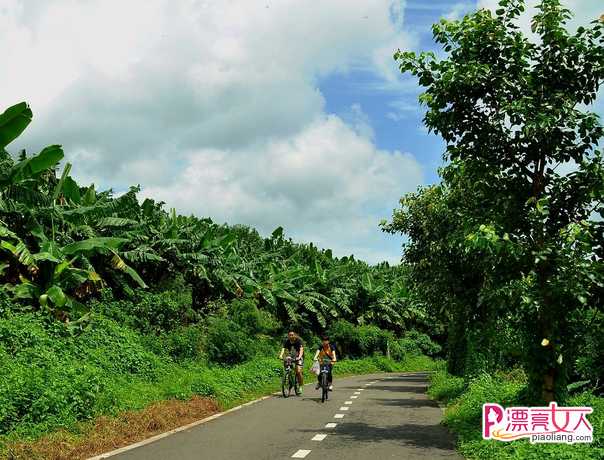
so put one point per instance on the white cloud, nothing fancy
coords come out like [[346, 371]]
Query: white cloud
[[328, 184], [218, 95], [584, 11], [403, 109], [359, 121], [458, 10]]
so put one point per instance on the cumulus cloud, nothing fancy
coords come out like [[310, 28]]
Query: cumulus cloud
[[584, 11], [458, 10], [326, 184], [213, 106]]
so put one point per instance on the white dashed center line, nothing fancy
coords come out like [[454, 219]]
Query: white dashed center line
[[302, 453]]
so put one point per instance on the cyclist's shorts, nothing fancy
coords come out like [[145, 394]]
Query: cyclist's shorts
[[300, 362]]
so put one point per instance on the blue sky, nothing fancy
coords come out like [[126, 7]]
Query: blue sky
[[394, 115], [259, 112]]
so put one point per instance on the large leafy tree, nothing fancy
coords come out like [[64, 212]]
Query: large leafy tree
[[524, 169]]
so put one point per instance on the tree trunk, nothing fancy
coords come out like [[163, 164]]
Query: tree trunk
[[547, 373]]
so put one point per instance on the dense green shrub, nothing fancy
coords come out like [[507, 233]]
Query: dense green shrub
[[149, 311], [51, 378], [357, 341], [185, 342], [116, 349], [227, 342], [412, 344], [251, 319], [424, 343], [464, 412], [589, 365]]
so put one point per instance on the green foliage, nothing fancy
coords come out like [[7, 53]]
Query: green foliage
[[182, 343], [54, 378], [589, 364], [227, 342], [357, 341], [464, 412], [507, 235], [13, 122], [251, 319], [446, 387], [62, 244], [417, 343], [149, 312]]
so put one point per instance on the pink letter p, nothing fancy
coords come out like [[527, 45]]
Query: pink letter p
[[492, 414]]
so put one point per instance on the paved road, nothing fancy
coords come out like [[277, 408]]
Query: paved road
[[390, 417]]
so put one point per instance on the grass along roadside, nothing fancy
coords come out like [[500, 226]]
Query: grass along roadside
[[195, 392], [464, 411]]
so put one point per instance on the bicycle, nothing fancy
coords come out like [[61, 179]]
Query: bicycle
[[289, 379], [324, 383]]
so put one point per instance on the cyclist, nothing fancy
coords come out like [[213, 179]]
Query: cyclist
[[328, 350], [291, 343]]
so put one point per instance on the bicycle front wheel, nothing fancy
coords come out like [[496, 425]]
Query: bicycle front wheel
[[324, 387], [285, 384], [292, 380]]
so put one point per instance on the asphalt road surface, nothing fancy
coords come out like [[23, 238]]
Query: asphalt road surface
[[366, 417]]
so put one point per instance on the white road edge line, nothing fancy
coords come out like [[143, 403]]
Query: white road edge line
[[302, 453], [176, 430], [157, 437], [319, 437], [192, 425]]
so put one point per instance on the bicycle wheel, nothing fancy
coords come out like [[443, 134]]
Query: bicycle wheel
[[292, 379], [285, 383], [324, 387]]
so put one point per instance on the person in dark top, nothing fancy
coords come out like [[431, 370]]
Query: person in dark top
[[326, 350], [293, 346]]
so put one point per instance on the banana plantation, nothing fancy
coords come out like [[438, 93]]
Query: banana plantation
[[63, 242], [110, 302]]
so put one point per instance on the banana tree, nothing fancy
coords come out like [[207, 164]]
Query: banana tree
[[55, 277]]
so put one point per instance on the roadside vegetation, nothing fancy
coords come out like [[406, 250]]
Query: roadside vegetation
[[114, 308], [75, 385], [507, 249], [110, 305], [464, 399]]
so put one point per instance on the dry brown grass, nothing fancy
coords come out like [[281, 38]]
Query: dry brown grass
[[108, 433]]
